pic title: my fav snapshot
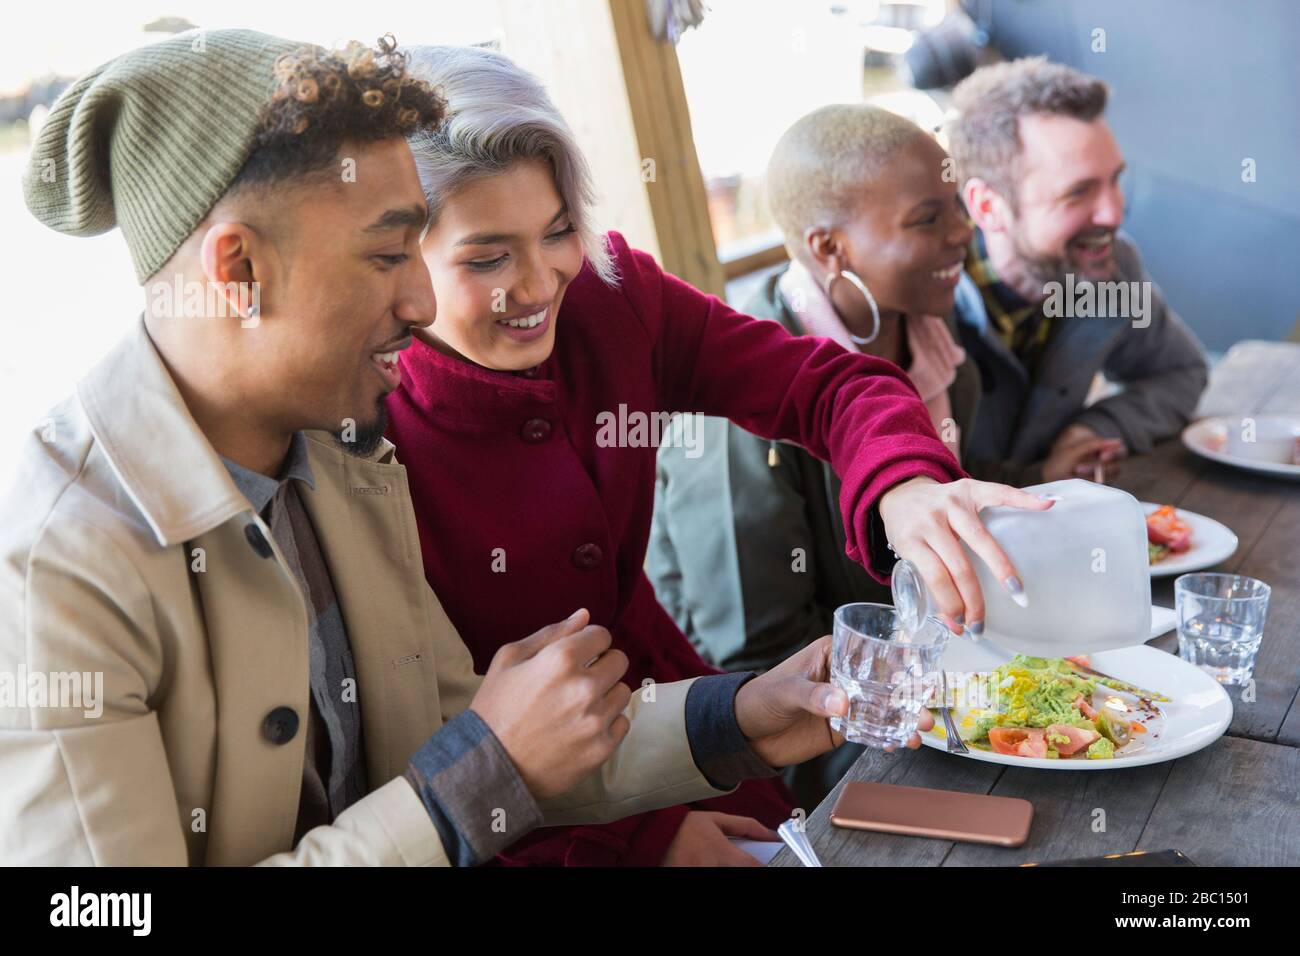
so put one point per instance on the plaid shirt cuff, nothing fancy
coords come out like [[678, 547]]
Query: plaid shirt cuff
[[475, 796], [720, 750]]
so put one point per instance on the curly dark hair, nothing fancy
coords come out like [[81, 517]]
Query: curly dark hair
[[324, 97]]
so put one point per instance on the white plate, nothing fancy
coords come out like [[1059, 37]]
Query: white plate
[[1209, 439], [1212, 542], [1198, 713]]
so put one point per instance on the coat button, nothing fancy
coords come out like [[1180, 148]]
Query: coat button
[[587, 557], [280, 725], [257, 540], [535, 430]]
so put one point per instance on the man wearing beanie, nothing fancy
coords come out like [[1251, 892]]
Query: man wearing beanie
[[216, 642]]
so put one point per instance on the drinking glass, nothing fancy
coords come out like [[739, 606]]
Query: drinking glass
[[1221, 623], [886, 670]]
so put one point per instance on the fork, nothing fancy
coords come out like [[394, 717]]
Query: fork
[[954, 744], [1079, 665]]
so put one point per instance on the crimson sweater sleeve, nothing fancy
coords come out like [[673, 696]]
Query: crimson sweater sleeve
[[640, 840], [860, 413]]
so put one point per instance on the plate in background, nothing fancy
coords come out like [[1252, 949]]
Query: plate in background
[[1212, 542], [1211, 438]]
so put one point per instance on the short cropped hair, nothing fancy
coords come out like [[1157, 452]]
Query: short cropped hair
[[825, 163], [985, 135], [498, 114]]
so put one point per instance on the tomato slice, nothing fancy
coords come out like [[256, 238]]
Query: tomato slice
[[1018, 741], [1078, 738], [1164, 527], [1004, 740]]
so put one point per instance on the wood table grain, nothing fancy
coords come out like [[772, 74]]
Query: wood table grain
[[1235, 803]]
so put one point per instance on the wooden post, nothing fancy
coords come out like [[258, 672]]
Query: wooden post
[[621, 92]]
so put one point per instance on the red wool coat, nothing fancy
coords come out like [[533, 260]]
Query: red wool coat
[[525, 516]]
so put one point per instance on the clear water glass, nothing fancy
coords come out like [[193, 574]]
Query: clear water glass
[[1221, 623], [886, 670]]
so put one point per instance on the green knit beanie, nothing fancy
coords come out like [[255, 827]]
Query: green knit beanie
[[151, 140]]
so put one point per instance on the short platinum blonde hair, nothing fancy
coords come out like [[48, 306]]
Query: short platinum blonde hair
[[496, 115], [826, 164]]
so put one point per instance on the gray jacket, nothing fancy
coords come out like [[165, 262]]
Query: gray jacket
[[1160, 368]]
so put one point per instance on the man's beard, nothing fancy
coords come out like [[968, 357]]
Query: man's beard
[[1043, 271], [365, 437]]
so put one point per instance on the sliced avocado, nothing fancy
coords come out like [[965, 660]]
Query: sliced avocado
[[1101, 749]]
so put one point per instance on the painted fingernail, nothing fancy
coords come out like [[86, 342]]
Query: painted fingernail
[[959, 621], [975, 630], [1016, 590]]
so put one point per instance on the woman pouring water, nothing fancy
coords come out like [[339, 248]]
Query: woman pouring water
[[544, 329]]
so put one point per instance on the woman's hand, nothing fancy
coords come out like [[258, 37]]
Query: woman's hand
[[925, 521], [704, 840]]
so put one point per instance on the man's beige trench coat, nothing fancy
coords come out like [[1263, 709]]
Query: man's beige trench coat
[[126, 551]]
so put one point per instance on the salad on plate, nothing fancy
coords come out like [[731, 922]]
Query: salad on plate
[[1167, 534], [1052, 708]]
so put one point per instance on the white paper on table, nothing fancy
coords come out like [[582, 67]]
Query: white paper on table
[[1162, 619], [761, 850]]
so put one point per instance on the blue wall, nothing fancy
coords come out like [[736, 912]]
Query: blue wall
[[1196, 87]]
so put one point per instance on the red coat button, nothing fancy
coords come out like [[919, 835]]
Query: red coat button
[[587, 557], [535, 430]]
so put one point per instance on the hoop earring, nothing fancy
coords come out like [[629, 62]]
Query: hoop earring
[[866, 294]]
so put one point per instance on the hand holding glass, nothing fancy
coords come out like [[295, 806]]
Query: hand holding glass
[[886, 671]]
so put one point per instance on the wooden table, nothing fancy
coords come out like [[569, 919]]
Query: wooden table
[[1235, 803]]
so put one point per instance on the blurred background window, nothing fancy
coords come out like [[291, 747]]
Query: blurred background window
[[753, 67], [69, 299], [1195, 97]]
